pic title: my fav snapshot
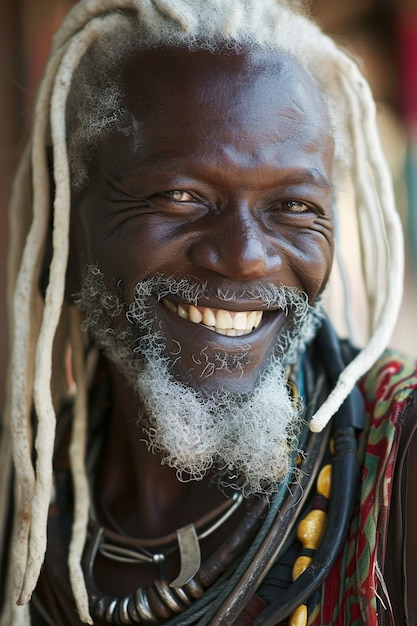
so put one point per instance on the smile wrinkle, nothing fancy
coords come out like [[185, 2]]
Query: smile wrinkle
[[231, 323]]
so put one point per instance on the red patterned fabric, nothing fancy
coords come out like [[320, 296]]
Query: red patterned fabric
[[349, 595]]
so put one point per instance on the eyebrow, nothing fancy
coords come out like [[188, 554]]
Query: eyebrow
[[293, 176], [306, 175]]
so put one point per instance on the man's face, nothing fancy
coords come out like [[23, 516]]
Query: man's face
[[224, 180]]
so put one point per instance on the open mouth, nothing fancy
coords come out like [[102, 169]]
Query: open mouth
[[221, 321]]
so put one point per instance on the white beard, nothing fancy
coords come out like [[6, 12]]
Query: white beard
[[255, 434]]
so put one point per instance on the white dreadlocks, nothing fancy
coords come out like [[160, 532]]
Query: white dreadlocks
[[39, 332]]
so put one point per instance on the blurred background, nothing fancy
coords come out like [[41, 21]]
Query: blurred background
[[383, 33]]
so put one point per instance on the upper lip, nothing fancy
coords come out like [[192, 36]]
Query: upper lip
[[227, 305]]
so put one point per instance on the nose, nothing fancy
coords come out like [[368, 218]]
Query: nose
[[237, 248]]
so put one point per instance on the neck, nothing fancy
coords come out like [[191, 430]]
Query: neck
[[143, 497]]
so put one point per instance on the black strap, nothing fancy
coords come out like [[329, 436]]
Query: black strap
[[342, 502]]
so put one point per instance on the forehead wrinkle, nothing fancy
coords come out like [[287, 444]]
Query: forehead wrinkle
[[236, 131], [224, 128], [262, 77], [268, 152], [195, 165]]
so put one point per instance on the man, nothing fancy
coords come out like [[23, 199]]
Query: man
[[197, 150]]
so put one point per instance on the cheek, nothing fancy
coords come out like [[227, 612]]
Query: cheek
[[314, 263], [141, 243]]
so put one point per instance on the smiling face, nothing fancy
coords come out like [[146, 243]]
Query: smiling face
[[224, 180]]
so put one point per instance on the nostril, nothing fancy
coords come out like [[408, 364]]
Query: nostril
[[235, 257], [204, 253]]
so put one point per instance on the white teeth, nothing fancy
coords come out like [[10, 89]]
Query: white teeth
[[209, 319], [258, 318], [194, 314], [251, 319], [182, 312], [223, 320], [239, 321], [230, 323]]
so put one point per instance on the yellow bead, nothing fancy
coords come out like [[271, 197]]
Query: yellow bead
[[324, 481], [299, 617], [310, 529], [300, 566]]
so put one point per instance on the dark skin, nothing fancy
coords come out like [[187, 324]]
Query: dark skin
[[254, 201], [225, 178]]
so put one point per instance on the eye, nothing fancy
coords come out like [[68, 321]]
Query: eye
[[178, 195], [178, 203], [295, 206]]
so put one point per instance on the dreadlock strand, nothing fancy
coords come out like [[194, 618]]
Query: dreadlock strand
[[53, 302], [83, 13], [344, 280], [19, 222], [177, 12], [391, 221], [14, 615], [391, 225], [20, 195], [230, 27], [82, 26], [377, 342], [77, 454], [383, 180], [365, 235], [389, 312], [369, 217], [375, 221], [359, 168], [25, 306], [350, 82], [392, 228], [145, 10]]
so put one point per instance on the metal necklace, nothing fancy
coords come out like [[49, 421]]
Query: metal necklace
[[158, 602]]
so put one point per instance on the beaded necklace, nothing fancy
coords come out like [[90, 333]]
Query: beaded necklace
[[162, 599], [345, 474], [309, 533]]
